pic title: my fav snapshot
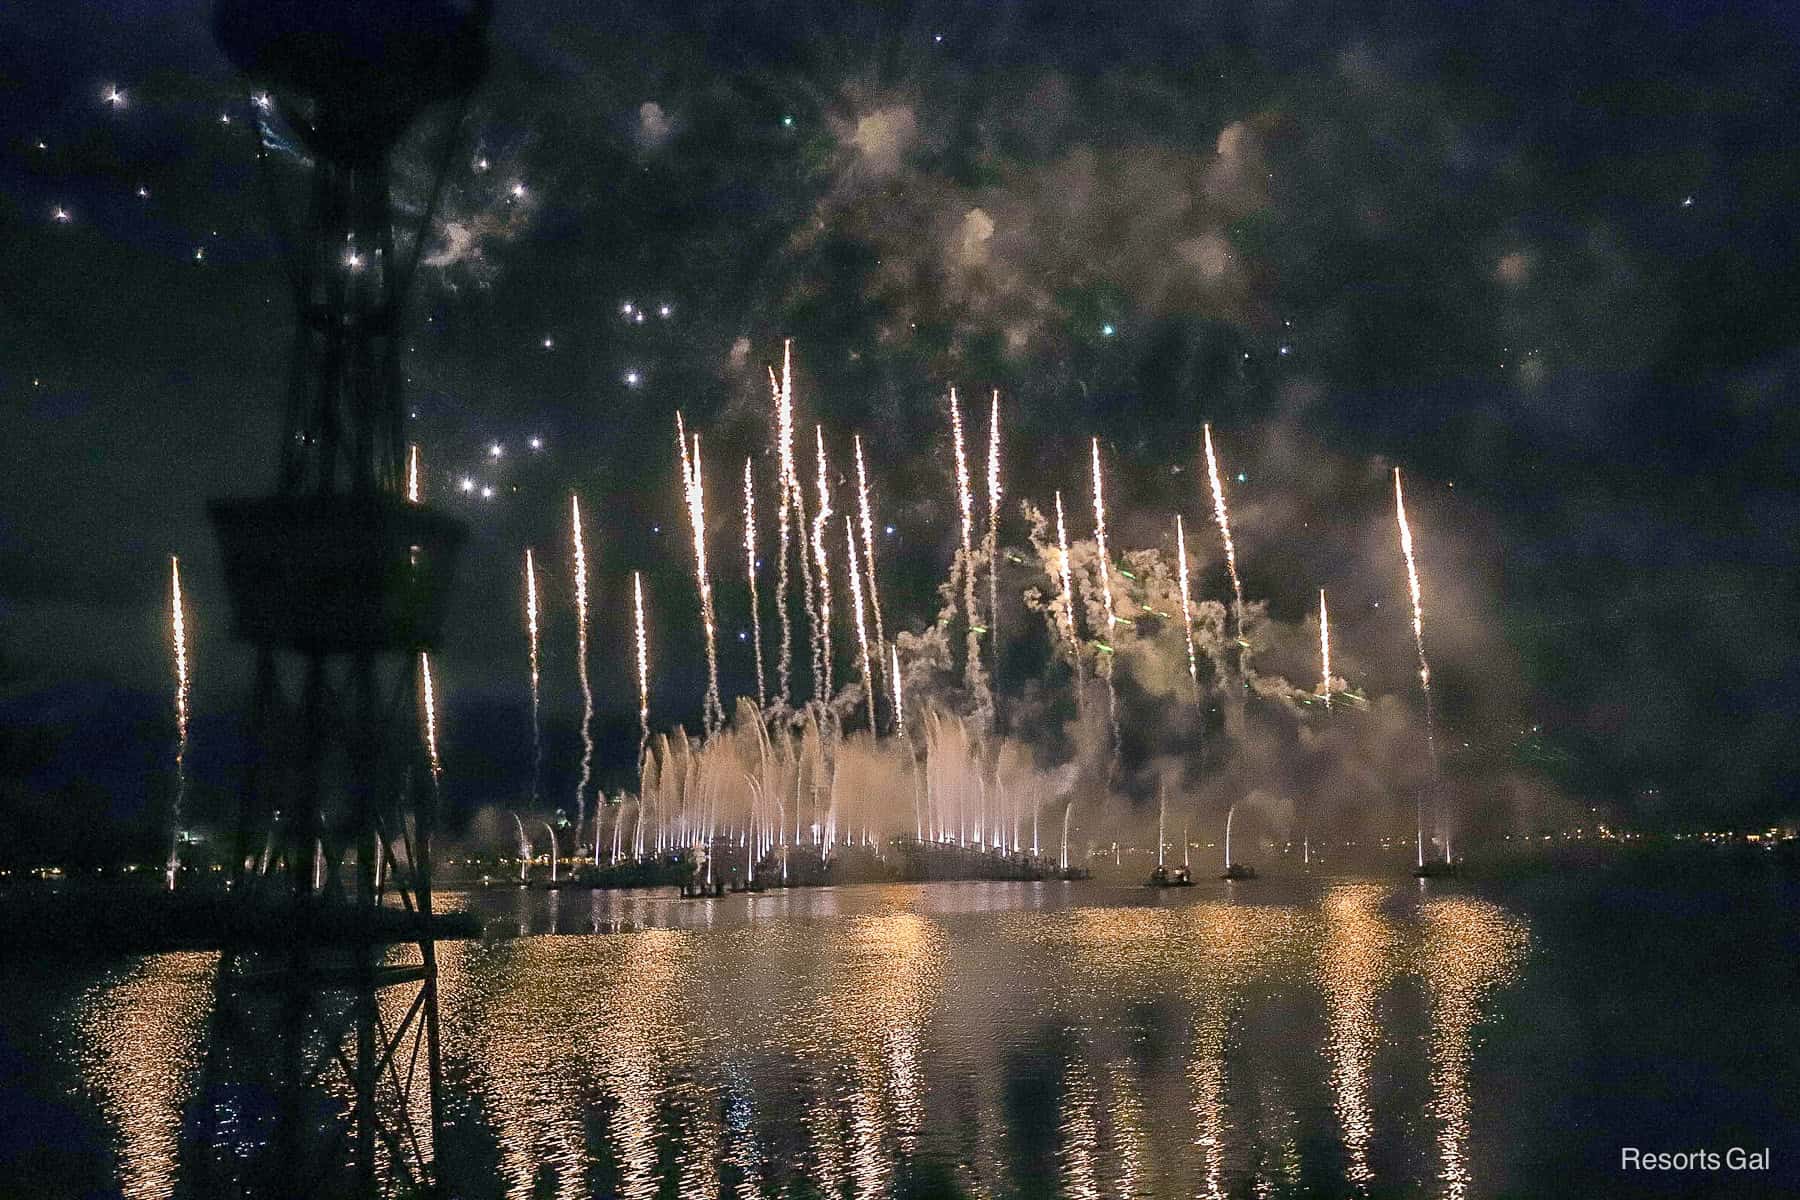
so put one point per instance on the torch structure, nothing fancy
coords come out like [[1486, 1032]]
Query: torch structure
[[322, 1074]]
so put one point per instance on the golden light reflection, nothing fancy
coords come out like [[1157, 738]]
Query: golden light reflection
[[1356, 964], [139, 1037], [1470, 948]]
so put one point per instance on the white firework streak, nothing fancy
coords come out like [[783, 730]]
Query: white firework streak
[[581, 665], [820, 520], [868, 532], [862, 631], [762, 690], [1187, 609]]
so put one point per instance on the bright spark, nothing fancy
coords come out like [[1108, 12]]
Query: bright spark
[[821, 519]]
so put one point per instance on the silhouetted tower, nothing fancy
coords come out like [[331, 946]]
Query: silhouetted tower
[[323, 1072]]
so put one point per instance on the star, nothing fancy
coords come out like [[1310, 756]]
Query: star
[[518, 191], [1687, 202], [1107, 330], [664, 312], [114, 96], [549, 343], [466, 484], [496, 450], [60, 215], [143, 192], [537, 443], [631, 378]]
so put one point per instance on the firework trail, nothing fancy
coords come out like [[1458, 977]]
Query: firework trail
[[1187, 607], [991, 551], [894, 676], [178, 636], [531, 631], [581, 663], [1068, 594], [1224, 520], [784, 444], [431, 738], [972, 675], [1418, 624], [820, 518], [867, 513], [862, 630], [1324, 650], [762, 690], [412, 473], [1106, 595], [643, 665], [696, 506]]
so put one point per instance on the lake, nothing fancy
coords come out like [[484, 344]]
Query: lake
[[1300, 1036]]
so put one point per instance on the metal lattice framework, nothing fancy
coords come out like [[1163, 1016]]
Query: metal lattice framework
[[323, 1073]]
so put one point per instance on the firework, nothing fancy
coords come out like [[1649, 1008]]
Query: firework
[[784, 444], [894, 677], [581, 662], [762, 691], [696, 506], [1187, 608], [866, 511], [972, 676], [1106, 595], [1418, 624], [412, 473], [178, 637], [643, 664], [822, 688], [1324, 650], [1068, 592], [1224, 520], [862, 631], [431, 738], [992, 549], [531, 632]]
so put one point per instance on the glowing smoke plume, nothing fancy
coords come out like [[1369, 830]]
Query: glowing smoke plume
[[581, 663], [178, 636], [1418, 624], [1224, 520], [531, 632], [867, 512], [1187, 605], [820, 519], [412, 473], [762, 689], [862, 630]]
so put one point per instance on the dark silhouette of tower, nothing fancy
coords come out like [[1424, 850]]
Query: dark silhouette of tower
[[323, 1075]]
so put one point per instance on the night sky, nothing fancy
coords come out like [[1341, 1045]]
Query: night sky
[[1541, 258]]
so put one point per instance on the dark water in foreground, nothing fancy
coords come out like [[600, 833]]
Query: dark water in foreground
[[1289, 1037]]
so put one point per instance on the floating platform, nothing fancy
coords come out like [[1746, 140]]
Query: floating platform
[[1168, 877], [1239, 871], [1435, 870]]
